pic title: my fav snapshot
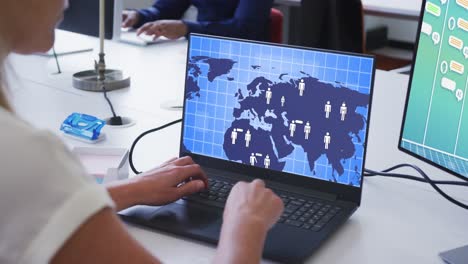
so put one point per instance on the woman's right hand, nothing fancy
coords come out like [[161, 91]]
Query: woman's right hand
[[251, 210], [253, 202], [130, 18]]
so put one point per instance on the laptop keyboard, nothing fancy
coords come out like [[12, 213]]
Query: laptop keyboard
[[310, 214]]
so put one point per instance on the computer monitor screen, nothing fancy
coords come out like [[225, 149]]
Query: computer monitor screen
[[435, 127], [288, 109], [82, 16]]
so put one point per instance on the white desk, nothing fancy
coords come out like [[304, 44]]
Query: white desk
[[398, 222], [409, 9]]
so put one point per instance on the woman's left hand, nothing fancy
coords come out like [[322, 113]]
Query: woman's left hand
[[171, 181], [171, 29]]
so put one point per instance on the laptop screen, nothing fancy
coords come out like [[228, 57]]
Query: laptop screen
[[282, 108]]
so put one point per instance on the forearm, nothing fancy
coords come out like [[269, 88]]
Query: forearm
[[163, 9], [241, 243], [123, 193]]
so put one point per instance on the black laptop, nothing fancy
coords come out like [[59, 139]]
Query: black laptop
[[295, 117]]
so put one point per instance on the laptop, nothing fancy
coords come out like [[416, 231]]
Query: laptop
[[295, 117]]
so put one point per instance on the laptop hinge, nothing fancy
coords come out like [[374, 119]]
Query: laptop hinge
[[302, 191]]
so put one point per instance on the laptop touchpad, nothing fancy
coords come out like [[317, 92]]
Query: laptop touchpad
[[200, 222]]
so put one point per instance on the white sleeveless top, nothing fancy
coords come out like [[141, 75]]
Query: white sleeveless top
[[45, 194]]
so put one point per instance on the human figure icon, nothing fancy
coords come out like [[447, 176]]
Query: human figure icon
[[267, 161], [248, 138], [307, 129], [301, 88], [234, 136], [268, 95], [343, 111], [328, 109], [327, 140], [253, 159], [283, 100], [292, 128]]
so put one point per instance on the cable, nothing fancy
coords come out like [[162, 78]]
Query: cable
[[115, 120], [132, 148], [371, 173], [427, 179], [108, 101], [59, 71]]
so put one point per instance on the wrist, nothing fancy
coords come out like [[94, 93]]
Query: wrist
[[249, 223], [184, 28], [242, 240], [125, 193]]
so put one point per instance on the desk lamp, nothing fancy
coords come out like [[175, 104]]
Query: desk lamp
[[100, 79]]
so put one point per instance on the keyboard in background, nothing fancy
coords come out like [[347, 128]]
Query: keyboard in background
[[142, 40]]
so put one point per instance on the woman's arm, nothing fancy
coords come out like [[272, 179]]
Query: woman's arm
[[103, 239], [171, 181], [251, 210]]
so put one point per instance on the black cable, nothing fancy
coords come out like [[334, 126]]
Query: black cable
[[56, 60], [370, 173], [132, 148], [108, 101]]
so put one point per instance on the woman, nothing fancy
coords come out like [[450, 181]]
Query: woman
[[50, 210], [231, 18]]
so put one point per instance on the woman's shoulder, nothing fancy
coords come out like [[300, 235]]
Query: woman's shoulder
[[19, 136], [25, 149]]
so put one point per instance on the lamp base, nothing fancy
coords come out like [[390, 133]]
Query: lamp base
[[455, 256], [89, 80]]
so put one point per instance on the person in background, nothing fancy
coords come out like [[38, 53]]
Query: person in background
[[247, 19], [53, 212]]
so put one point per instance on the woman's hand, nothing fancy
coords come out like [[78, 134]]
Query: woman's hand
[[171, 181], [251, 210], [253, 201], [130, 18], [171, 29]]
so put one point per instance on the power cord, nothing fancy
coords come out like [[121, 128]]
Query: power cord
[[115, 120], [59, 71], [132, 148], [426, 179]]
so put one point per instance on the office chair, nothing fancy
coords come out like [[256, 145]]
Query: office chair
[[276, 26]]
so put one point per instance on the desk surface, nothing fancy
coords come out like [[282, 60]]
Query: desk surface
[[398, 222], [395, 8]]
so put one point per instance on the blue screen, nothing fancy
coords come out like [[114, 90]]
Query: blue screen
[[286, 109]]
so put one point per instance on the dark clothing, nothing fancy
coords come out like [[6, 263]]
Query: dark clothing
[[232, 18], [332, 24]]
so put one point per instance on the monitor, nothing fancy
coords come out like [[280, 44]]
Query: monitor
[[297, 111], [82, 16], [435, 123]]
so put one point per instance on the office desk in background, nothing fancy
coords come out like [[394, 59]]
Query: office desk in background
[[398, 222]]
